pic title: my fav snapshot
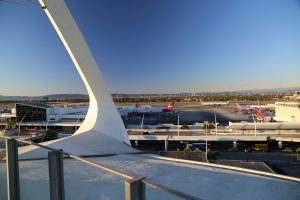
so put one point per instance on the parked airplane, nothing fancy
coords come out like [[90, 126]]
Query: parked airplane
[[262, 107], [253, 107], [145, 109], [264, 117], [245, 108], [214, 103]]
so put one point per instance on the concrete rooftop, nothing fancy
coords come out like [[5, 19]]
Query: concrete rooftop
[[86, 182]]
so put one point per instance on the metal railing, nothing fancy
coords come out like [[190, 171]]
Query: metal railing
[[134, 186]]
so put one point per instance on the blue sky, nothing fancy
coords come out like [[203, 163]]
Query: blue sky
[[155, 46]]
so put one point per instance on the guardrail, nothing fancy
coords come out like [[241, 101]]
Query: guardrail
[[233, 168], [134, 186]]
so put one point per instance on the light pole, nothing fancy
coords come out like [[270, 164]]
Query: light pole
[[142, 123], [48, 123], [46, 126], [206, 123], [178, 124], [76, 124], [178, 129], [216, 125], [254, 125], [20, 123]]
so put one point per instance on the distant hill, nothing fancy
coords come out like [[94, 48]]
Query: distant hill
[[237, 92], [41, 98], [66, 96], [83, 96], [253, 92], [13, 98]]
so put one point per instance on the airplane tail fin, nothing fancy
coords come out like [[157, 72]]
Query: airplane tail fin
[[238, 106], [259, 114], [170, 106]]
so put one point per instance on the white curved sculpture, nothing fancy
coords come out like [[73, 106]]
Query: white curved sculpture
[[102, 115], [102, 131]]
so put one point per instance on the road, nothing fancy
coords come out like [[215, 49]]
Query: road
[[282, 163], [258, 156]]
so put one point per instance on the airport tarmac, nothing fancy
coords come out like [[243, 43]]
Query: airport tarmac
[[192, 114]]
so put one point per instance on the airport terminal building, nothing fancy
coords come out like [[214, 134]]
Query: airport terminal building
[[287, 111], [32, 112]]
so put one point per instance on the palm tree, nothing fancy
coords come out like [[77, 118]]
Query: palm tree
[[11, 123]]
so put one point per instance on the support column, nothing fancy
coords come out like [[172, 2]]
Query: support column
[[56, 175], [234, 144], [135, 189], [136, 143], [12, 168], [166, 145], [280, 144]]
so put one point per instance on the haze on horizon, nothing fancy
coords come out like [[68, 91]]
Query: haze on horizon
[[168, 46]]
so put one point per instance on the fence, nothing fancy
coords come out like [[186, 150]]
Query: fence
[[134, 186]]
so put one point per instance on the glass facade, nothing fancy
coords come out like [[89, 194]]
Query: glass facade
[[30, 113]]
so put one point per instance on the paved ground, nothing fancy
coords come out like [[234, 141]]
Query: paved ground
[[207, 113], [269, 156], [290, 168], [192, 114]]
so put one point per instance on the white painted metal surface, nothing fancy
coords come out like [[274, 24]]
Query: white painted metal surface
[[102, 131], [102, 115]]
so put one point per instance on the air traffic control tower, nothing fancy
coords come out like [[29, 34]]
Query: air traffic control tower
[[103, 165]]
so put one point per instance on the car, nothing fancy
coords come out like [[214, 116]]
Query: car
[[163, 127], [288, 150], [233, 149], [215, 152], [194, 147], [247, 150], [261, 147], [200, 146]]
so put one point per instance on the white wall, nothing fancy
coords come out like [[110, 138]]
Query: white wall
[[288, 111], [57, 114]]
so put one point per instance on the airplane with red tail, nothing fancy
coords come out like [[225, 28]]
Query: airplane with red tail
[[140, 110], [263, 116], [169, 107], [260, 116]]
